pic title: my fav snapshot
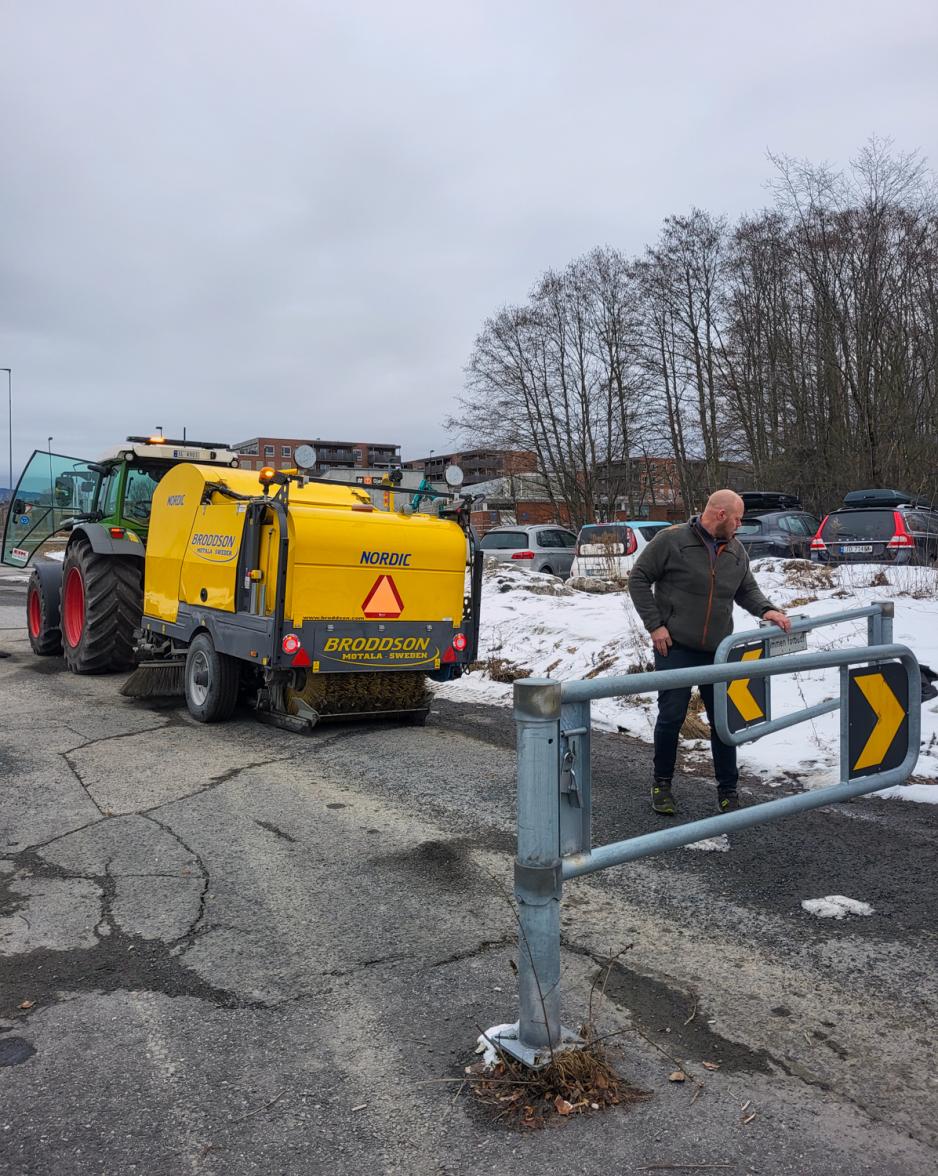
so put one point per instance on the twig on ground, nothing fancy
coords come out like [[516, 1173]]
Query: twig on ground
[[671, 1058], [604, 973], [257, 1110]]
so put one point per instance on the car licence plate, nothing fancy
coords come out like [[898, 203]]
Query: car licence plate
[[857, 549]]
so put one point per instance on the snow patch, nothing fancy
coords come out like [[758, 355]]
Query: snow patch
[[923, 793], [487, 1040], [836, 906], [585, 635], [719, 844]]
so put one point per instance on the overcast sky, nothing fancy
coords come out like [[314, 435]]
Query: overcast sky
[[292, 217]]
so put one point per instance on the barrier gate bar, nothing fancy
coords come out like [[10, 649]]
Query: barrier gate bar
[[554, 834], [879, 619]]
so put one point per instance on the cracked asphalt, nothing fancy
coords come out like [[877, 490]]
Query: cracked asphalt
[[231, 950]]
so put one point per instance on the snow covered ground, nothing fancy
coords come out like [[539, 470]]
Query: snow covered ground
[[533, 624]]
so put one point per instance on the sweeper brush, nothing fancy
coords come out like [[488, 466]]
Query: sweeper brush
[[345, 695], [157, 679]]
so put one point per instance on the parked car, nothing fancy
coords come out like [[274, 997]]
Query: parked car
[[540, 548], [609, 550], [878, 526], [774, 523]]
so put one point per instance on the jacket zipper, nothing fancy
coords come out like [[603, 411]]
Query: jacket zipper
[[713, 580]]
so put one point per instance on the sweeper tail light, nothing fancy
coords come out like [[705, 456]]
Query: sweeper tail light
[[460, 642]]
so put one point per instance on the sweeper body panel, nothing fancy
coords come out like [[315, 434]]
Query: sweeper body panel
[[298, 588]]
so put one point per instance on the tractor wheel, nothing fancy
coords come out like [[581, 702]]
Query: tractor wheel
[[42, 618], [102, 602], [212, 681]]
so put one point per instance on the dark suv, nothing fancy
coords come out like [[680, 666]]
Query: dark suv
[[775, 524], [878, 526]]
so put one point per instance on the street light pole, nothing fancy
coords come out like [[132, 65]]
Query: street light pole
[[9, 372]]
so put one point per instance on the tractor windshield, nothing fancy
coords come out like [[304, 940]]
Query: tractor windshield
[[52, 488]]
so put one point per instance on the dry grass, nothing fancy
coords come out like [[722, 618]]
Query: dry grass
[[604, 660], [500, 669], [695, 726], [596, 585], [801, 573], [575, 1082]]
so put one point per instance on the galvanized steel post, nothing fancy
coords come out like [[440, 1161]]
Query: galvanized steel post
[[537, 866]]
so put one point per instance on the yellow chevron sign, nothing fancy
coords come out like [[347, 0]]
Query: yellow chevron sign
[[741, 696], [873, 743]]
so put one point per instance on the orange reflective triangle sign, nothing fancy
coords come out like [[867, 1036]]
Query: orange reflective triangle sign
[[383, 600]]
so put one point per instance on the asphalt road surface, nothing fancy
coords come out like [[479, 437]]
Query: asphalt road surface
[[232, 950]]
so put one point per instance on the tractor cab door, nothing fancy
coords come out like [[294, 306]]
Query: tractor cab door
[[52, 489]]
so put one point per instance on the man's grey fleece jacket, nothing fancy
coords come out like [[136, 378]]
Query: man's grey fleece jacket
[[682, 581]]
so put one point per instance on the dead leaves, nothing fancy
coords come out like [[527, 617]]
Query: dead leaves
[[576, 1082], [677, 1076]]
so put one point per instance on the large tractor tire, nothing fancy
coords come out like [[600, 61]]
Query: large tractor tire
[[212, 681], [42, 616], [102, 602]]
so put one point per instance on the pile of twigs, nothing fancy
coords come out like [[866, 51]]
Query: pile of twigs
[[575, 1082]]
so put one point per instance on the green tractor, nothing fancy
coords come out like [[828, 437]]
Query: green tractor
[[88, 606]]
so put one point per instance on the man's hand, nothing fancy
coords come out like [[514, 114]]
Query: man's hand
[[661, 640], [775, 616]]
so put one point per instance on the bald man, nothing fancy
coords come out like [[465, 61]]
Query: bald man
[[684, 585]]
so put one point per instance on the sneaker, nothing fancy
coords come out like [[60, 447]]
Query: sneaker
[[661, 799], [728, 803]]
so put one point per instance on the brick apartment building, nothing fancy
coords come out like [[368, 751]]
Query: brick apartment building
[[477, 465], [331, 455]]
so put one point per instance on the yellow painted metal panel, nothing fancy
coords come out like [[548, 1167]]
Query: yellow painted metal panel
[[338, 551], [170, 527], [209, 570]]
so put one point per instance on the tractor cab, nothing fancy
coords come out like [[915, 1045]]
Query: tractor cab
[[55, 492]]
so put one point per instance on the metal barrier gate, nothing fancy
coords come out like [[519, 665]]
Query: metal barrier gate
[[880, 705]]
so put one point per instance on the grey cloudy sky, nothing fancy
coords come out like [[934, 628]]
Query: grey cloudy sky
[[292, 217]]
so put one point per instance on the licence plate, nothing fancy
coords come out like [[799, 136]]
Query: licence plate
[[857, 549], [790, 643]]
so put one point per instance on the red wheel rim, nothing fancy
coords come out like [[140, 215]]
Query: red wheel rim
[[34, 613], [73, 607]]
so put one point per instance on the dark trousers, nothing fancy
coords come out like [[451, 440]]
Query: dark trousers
[[672, 710]]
